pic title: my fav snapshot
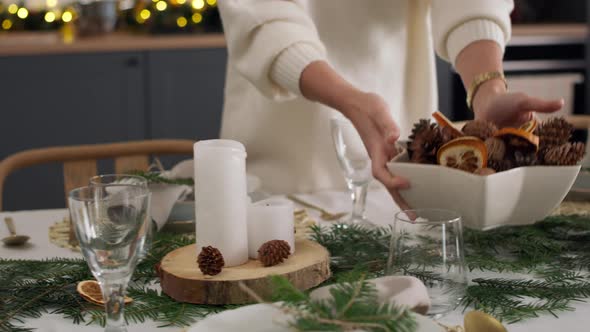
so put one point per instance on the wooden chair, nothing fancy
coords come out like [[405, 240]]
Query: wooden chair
[[79, 161]]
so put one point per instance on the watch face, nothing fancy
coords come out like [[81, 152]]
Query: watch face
[[549, 11]]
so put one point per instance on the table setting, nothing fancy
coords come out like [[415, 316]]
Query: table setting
[[465, 258]]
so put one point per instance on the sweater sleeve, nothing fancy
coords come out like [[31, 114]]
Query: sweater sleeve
[[458, 23], [270, 42]]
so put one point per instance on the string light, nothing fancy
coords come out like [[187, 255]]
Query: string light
[[161, 5], [51, 3], [6, 24], [198, 4], [181, 22], [67, 16], [22, 13], [211, 2], [12, 8], [49, 17], [197, 18], [145, 14], [181, 2]]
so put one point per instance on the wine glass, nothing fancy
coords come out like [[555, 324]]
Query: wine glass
[[111, 223], [356, 166], [428, 244], [127, 179]]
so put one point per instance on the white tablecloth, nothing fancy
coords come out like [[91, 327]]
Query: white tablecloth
[[380, 209]]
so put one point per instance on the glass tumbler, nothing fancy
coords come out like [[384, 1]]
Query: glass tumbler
[[428, 244]]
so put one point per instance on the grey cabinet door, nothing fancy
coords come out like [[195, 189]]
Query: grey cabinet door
[[65, 100], [186, 93]]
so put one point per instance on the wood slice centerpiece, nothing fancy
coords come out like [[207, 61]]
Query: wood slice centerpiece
[[182, 280]]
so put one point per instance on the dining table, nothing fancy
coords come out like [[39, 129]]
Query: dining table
[[380, 210]]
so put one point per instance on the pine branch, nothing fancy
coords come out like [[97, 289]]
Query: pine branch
[[152, 177]]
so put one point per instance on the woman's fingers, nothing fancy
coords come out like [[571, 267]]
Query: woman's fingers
[[381, 173], [532, 104]]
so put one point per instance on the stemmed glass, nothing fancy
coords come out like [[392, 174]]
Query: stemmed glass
[[356, 166], [123, 179], [428, 244], [111, 223]]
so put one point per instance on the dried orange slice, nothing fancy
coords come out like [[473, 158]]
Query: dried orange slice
[[465, 153], [444, 122], [90, 291], [530, 126], [518, 138]]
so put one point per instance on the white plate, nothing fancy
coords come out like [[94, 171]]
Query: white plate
[[266, 318]]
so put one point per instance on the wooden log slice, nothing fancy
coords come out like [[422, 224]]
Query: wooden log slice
[[182, 280]]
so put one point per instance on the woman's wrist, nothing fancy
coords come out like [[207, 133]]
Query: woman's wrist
[[485, 94]]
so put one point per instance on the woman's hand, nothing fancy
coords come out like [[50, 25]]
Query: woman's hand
[[370, 115], [509, 109]]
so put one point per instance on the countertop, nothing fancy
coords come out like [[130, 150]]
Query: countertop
[[51, 43], [12, 44]]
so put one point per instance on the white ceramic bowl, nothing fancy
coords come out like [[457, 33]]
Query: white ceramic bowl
[[519, 196]]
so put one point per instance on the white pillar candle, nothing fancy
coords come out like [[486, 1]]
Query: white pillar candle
[[221, 200], [270, 219]]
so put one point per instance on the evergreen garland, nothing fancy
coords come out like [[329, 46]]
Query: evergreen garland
[[556, 250]]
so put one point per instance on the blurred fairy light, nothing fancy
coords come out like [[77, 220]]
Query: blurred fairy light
[[181, 2], [211, 2], [49, 17], [161, 5], [12, 8], [22, 13], [67, 16], [197, 18], [51, 3], [145, 14], [6, 24], [198, 4], [181, 22]]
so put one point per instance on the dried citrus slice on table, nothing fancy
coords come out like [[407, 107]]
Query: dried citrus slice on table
[[465, 153], [90, 291], [444, 122]]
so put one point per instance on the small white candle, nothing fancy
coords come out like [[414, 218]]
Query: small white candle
[[270, 219], [221, 199]]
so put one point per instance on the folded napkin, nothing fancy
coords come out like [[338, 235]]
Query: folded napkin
[[397, 290]]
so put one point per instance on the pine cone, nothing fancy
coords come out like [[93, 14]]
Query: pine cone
[[210, 261], [447, 134], [273, 252], [479, 128], [425, 140], [525, 159], [567, 154], [496, 148], [554, 132], [500, 165]]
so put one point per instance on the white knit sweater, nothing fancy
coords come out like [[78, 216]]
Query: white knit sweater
[[381, 46]]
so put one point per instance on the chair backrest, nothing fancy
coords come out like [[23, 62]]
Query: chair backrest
[[79, 161]]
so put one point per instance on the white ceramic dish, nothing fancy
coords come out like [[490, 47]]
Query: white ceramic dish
[[265, 318], [519, 196]]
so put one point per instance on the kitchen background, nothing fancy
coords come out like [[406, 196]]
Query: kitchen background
[[104, 71]]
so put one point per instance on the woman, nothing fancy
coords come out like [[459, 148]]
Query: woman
[[294, 63]]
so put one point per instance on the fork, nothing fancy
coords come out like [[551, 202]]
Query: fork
[[325, 215]]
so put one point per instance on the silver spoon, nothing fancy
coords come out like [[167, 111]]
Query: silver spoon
[[13, 239]]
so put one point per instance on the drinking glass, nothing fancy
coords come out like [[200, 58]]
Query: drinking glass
[[128, 179], [111, 223], [356, 166], [428, 244]]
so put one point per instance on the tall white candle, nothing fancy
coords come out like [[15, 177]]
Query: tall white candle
[[270, 219], [221, 200]]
